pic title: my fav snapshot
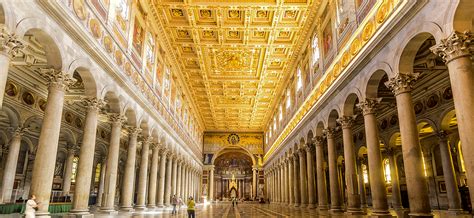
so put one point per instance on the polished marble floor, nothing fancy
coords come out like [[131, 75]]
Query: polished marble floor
[[243, 210]]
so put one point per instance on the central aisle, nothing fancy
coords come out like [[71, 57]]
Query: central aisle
[[244, 210]]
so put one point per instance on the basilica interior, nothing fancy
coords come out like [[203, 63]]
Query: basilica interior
[[268, 108]]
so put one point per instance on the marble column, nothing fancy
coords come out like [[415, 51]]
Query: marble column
[[321, 175], [167, 190], [303, 178], [336, 199], [161, 179], [456, 51], [353, 197], [290, 181], [179, 174], [11, 164], [309, 166], [174, 175], [363, 195], [86, 158], [401, 86], [375, 165], [10, 46], [454, 198], [278, 184], [296, 181], [111, 174], [129, 172], [211, 184], [284, 181], [100, 192], [254, 183], [45, 160], [71, 151], [143, 174], [184, 184], [396, 195], [153, 176]]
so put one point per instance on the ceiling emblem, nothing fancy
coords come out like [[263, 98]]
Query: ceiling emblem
[[262, 14], [234, 14], [233, 60], [183, 33], [205, 13], [290, 14], [234, 34], [233, 139], [177, 12]]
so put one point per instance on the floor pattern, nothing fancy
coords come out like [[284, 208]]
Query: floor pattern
[[244, 210]]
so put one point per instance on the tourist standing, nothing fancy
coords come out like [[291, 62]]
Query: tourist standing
[[174, 202], [31, 206], [191, 205]]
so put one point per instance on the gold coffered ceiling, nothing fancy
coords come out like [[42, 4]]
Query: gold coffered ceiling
[[234, 54]]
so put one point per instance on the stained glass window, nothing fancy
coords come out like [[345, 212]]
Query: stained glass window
[[75, 161], [97, 172], [386, 167]]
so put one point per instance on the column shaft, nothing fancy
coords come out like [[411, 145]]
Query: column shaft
[[108, 198], [396, 195], [100, 192], [153, 178], [179, 181], [296, 181], [68, 171], [45, 160], [211, 185], [309, 166], [129, 173], [411, 149], [290, 181], [143, 174], [174, 174], [167, 192], [454, 198], [303, 179], [321, 175], [10, 166], [336, 200]]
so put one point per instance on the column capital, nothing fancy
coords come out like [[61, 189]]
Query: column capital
[[369, 105], [10, 44], [18, 131], [318, 141], [147, 140], [389, 151], [402, 82], [309, 147], [93, 104], [71, 149], [442, 135], [455, 46], [117, 118], [346, 121], [133, 131], [57, 78], [330, 131]]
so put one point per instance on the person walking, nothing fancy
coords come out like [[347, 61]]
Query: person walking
[[191, 210], [180, 203], [31, 206], [174, 202]]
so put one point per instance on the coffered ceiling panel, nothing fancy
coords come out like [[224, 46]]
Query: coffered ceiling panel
[[233, 54]]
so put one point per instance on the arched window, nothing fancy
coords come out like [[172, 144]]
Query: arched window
[[274, 123], [150, 48], [365, 174], [299, 81], [288, 99], [315, 48], [75, 161], [97, 172], [386, 167], [280, 115], [461, 158]]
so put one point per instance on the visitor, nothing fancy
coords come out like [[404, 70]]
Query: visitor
[[31, 207], [174, 202], [180, 203], [191, 205]]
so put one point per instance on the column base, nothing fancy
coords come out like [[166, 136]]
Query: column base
[[323, 208], [109, 211], [296, 205], [78, 214], [453, 212], [311, 206], [140, 208], [355, 211], [336, 210], [160, 205], [420, 214], [127, 209], [44, 214], [151, 207], [303, 205]]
